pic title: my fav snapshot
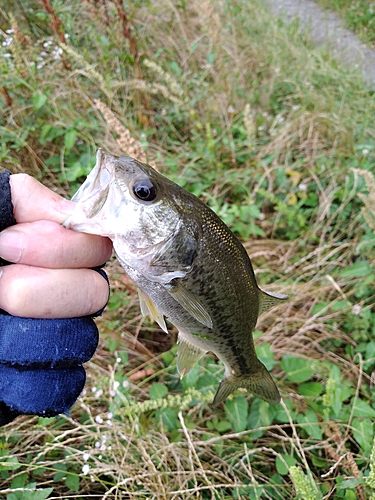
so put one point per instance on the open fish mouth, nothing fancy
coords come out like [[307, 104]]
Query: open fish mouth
[[94, 191], [93, 195]]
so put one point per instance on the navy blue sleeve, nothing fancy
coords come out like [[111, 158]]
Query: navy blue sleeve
[[41, 370], [6, 206]]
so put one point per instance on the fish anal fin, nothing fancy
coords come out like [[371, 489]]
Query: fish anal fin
[[149, 308], [189, 302], [188, 354], [270, 299], [259, 383]]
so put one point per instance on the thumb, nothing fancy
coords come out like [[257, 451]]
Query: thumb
[[32, 201]]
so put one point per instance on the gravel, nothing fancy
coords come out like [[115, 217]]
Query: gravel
[[328, 30]]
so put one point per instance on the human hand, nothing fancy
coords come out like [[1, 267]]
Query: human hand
[[49, 258], [40, 359]]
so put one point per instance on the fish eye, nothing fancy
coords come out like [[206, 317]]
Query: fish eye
[[144, 190]]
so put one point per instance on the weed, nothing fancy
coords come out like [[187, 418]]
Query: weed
[[358, 16]]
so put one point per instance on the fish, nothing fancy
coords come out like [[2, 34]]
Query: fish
[[188, 266]]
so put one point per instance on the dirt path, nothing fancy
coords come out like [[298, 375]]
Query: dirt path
[[326, 28]]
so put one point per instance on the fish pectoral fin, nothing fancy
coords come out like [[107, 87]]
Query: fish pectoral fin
[[189, 302], [148, 307], [259, 383], [270, 299], [188, 355]]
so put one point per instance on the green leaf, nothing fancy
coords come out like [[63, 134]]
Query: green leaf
[[313, 389], [39, 99], [211, 56], [283, 462], [265, 355], [158, 391], [363, 409], [10, 463], [363, 433], [31, 494], [350, 483], [168, 417], [359, 269], [19, 481], [236, 411], [70, 138], [72, 482], [191, 378], [223, 426], [297, 369], [311, 425]]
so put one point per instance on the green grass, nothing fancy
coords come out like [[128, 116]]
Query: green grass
[[249, 116], [359, 16]]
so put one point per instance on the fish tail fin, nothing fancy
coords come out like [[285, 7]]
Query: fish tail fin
[[259, 383]]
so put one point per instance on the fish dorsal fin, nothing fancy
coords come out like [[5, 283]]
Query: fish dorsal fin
[[270, 299], [189, 302], [148, 307], [188, 354]]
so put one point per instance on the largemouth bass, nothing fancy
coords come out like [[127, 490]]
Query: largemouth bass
[[187, 264]]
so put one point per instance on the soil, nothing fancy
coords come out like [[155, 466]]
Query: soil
[[327, 29]]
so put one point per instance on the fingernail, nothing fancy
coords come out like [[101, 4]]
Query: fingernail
[[11, 245]]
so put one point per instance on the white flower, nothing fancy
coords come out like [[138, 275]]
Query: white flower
[[85, 469], [99, 393], [98, 419], [365, 151], [356, 309], [86, 456]]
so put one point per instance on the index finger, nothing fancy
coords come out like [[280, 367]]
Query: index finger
[[32, 201]]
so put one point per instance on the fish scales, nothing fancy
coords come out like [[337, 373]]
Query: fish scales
[[187, 264]]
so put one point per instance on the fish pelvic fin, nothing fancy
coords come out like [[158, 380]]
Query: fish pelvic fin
[[259, 383], [149, 308], [270, 299], [188, 354]]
